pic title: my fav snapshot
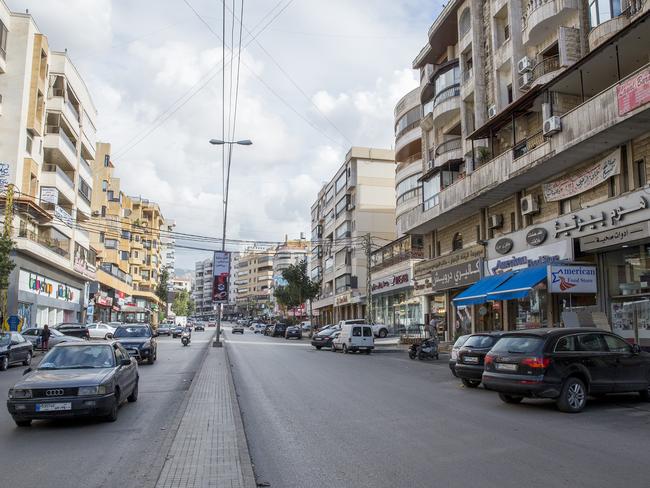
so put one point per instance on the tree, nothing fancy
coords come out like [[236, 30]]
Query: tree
[[191, 307], [181, 303], [162, 288], [6, 267], [299, 288]]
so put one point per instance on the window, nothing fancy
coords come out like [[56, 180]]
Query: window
[[29, 141], [603, 10], [341, 182], [103, 210], [591, 343], [107, 160], [367, 332], [341, 205], [343, 230], [430, 190], [110, 195], [104, 185], [509, 91], [3, 40], [639, 173], [101, 237], [84, 190], [616, 344], [566, 344], [329, 195], [407, 185], [126, 234], [124, 255], [407, 121], [457, 242], [356, 331], [464, 22], [110, 243]]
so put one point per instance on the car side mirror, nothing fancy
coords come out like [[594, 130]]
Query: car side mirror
[[636, 349], [126, 361], [27, 370]]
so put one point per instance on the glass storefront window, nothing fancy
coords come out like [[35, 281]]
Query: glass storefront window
[[399, 311], [531, 311]]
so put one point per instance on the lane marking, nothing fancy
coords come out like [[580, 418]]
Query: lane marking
[[260, 343]]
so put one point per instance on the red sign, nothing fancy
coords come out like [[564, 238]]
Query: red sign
[[389, 282], [633, 92]]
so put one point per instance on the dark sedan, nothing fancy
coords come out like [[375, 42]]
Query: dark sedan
[[323, 338], [177, 331], [14, 349], [200, 326], [139, 341], [469, 365], [165, 329], [71, 329], [278, 330], [76, 379], [293, 332]]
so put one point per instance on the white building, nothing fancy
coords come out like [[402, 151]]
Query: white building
[[168, 244]]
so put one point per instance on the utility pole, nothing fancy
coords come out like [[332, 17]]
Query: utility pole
[[367, 247]]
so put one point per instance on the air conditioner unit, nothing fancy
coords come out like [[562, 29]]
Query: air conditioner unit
[[552, 125], [524, 65], [529, 205], [95, 213], [526, 80], [495, 221], [492, 111]]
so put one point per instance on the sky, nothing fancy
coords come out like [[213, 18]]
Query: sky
[[316, 77]]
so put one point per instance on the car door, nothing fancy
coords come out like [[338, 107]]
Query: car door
[[122, 374], [600, 363], [368, 337], [17, 349], [631, 368]]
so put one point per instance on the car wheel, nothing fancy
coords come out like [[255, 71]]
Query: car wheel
[[4, 363], [573, 396], [333, 349], [470, 383], [133, 397], [383, 333], [318, 348], [510, 398], [345, 349], [112, 415], [28, 359], [412, 354], [23, 422], [108, 336]]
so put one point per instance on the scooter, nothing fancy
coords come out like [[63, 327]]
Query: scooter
[[185, 338], [427, 349]]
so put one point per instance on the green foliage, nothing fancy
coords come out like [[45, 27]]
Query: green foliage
[[191, 307], [299, 288], [181, 304], [163, 283], [6, 263]]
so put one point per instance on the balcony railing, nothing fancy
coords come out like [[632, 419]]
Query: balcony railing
[[448, 146], [449, 92], [546, 65], [55, 129], [529, 144], [412, 125], [51, 244], [73, 109], [399, 258], [53, 168]]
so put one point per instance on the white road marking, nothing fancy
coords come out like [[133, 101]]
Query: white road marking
[[260, 343]]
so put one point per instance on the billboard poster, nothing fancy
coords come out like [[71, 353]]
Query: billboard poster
[[220, 274]]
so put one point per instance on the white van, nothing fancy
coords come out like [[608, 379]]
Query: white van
[[354, 337]]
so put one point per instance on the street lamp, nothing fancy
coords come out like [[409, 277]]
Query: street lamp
[[219, 142]]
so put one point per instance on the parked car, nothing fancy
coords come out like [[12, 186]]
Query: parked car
[[100, 331], [378, 330], [565, 365], [177, 331], [454, 352], [293, 331], [278, 330], [33, 335], [76, 379], [199, 326], [238, 329], [139, 340], [305, 326], [71, 329], [165, 329], [469, 365], [323, 338], [354, 337], [14, 349], [259, 328]]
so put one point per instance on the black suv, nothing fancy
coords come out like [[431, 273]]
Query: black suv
[[565, 365], [469, 364], [278, 330], [71, 329]]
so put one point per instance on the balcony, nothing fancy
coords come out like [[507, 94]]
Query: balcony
[[60, 247], [542, 73], [449, 150], [53, 176], [410, 133], [70, 114], [446, 105], [544, 16], [59, 148]]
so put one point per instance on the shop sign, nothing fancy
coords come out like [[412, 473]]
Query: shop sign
[[585, 179], [633, 92], [343, 299], [458, 257], [422, 286], [457, 275], [393, 281], [35, 283], [536, 236], [551, 253], [572, 279], [504, 246], [613, 237], [103, 300]]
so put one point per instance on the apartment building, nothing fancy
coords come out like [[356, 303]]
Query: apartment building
[[168, 246], [202, 294], [290, 252], [47, 132], [535, 126], [254, 281], [358, 200]]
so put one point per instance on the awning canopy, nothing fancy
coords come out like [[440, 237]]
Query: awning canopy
[[519, 284], [478, 292]]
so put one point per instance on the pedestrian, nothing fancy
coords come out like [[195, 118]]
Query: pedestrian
[[433, 327], [45, 338]]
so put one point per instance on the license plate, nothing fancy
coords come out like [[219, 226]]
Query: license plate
[[53, 407], [506, 367], [470, 359]]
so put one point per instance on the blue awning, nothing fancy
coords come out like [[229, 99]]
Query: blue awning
[[519, 285], [477, 293]]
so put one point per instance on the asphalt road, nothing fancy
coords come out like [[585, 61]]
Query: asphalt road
[[92, 453], [318, 419]]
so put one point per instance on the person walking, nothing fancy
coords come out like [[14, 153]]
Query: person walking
[[45, 338]]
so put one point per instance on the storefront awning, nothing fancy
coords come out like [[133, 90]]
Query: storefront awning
[[478, 292], [519, 284]]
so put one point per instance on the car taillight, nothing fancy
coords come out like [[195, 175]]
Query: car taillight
[[488, 360], [536, 362]]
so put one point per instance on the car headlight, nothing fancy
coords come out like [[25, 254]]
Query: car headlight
[[92, 390], [16, 393]]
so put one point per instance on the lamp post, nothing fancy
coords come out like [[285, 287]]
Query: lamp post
[[219, 142]]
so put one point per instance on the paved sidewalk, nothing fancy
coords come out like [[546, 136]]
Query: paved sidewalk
[[209, 449]]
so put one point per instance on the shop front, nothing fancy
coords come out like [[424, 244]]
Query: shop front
[[348, 306], [393, 302]]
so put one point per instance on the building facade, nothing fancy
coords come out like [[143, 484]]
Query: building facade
[[168, 246], [359, 201], [289, 253], [202, 294], [254, 281], [535, 121]]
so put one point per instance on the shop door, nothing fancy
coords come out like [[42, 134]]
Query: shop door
[[489, 317]]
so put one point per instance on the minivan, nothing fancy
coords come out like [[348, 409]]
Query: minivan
[[354, 337]]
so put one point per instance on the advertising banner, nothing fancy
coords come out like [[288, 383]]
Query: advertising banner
[[633, 92], [572, 279], [220, 274]]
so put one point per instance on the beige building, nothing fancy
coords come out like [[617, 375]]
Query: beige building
[[290, 252], [254, 281], [359, 200], [535, 124]]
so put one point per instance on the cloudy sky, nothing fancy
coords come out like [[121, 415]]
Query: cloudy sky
[[320, 76]]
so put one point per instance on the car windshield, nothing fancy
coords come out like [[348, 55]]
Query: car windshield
[[460, 341], [132, 332], [519, 345], [325, 332], [56, 333], [79, 357], [480, 341], [5, 339]]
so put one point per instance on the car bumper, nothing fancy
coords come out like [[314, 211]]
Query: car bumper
[[294, 335], [468, 371], [79, 407], [321, 343], [521, 385], [452, 365], [140, 354]]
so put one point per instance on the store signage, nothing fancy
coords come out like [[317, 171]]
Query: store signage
[[551, 253], [614, 237], [463, 256], [39, 284], [457, 275], [536, 236], [220, 275], [572, 279], [504, 246], [585, 179], [398, 280], [49, 194], [104, 301], [633, 92], [343, 299]]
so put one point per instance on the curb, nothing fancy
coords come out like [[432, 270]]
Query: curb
[[244, 454]]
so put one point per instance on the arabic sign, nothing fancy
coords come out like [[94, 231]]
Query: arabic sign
[[585, 179], [633, 92], [536, 236], [572, 279], [63, 216], [504, 246], [394, 281], [49, 194], [613, 237], [457, 275], [5, 178], [558, 251], [220, 275], [428, 266]]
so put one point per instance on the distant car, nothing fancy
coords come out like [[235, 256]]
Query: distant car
[[71, 329], [454, 352], [293, 332], [469, 365], [33, 335], [199, 326], [279, 330], [259, 328], [212, 323], [76, 379], [238, 329], [139, 340], [177, 331], [323, 338], [100, 331], [165, 329], [14, 349]]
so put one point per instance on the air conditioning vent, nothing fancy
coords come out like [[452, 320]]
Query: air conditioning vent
[[525, 81], [492, 111], [495, 221], [552, 125], [524, 65], [529, 205]]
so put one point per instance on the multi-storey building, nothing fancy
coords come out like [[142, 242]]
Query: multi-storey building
[[358, 201], [202, 294], [47, 131], [291, 252], [254, 281], [168, 246], [535, 123]]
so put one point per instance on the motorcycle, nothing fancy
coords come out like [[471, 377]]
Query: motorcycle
[[185, 338], [427, 349]]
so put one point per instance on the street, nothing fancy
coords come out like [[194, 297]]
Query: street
[[318, 419], [92, 453]]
